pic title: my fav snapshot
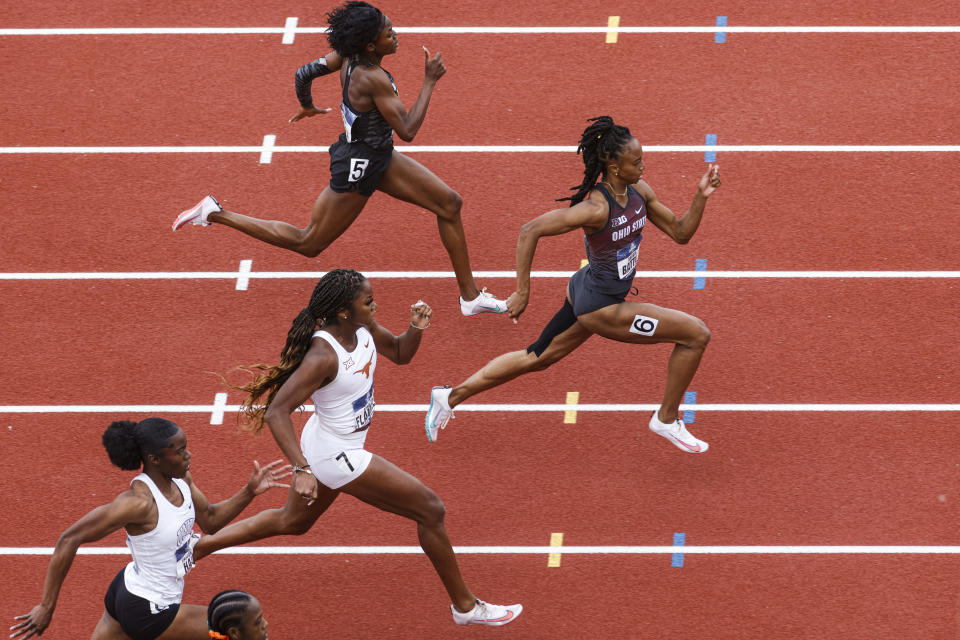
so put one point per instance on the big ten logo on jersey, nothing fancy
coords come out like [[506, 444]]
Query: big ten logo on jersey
[[358, 166], [619, 220], [363, 411], [644, 326]]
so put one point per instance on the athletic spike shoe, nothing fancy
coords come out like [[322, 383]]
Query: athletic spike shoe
[[198, 213], [676, 432], [492, 615], [439, 413], [483, 303]]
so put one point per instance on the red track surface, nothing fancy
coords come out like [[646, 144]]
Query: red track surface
[[512, 478]]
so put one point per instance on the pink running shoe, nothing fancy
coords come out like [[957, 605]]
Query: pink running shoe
[[198, 213]]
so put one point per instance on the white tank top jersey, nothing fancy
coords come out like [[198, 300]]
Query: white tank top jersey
[[344, 407], [156, 554]]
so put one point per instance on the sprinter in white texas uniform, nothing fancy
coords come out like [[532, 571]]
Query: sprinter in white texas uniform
[[330, 357]]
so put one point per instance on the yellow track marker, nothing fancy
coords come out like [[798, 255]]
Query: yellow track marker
[[570, 415], [556, 540], [584, 263], [613, 22]]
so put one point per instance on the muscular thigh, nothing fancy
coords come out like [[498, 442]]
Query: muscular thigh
[[642, 323], [409, 181], [191, 622], [388, 487]]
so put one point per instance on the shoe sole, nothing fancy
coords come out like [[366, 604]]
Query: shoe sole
[[494, 624], [477, 313], [426, 422], [679, 444], [186, 216]]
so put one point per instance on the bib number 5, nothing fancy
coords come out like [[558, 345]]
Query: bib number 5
[[358, 166]]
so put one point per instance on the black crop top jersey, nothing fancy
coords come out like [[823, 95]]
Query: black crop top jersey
[[613, 250], [369, 127]]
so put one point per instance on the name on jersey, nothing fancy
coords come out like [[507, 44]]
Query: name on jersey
[[623, 232], [363, 411]]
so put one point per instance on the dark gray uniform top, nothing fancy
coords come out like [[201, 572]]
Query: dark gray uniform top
[[369, 127], [613, 250]]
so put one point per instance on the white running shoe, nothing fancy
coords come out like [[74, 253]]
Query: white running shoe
[[492, 615], [483, 303], [439, 413], [198, 213], [676, 432]]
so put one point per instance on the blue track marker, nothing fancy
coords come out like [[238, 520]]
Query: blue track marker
[[700, 283], [720, 36], [679, 539], [710, 156], [689, 397]]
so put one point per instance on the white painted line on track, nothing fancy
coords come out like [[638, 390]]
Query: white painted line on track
[[390, 275], [534, 550], [560, 408], [492, 30], [219, 406], [243, 275], [266, 150], [289, 30], [679, 148]]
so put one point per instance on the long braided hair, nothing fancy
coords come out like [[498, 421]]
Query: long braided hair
[[600, 142], [335, 291], [226, 610]]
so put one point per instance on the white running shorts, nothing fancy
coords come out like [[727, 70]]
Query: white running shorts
[[337, 469]]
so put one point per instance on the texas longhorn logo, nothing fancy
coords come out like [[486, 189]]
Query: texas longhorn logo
[[365, 369]]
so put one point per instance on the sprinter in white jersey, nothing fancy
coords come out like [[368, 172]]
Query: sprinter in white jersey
[[330, 357], [158, 512]]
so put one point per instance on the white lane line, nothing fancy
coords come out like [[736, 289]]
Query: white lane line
[[388, 275], [678, 148], [290, 30], [266, 150], [243, 275], [534, 550], [287, 31], [560, 408]]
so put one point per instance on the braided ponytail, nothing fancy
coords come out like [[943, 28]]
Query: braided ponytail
[[335, 291], [599, 143]]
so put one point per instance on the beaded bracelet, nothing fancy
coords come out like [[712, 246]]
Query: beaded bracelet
[[296, 469], [421, 328]]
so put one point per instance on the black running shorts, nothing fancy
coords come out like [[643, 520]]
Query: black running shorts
[[355, 166], [139, 618]]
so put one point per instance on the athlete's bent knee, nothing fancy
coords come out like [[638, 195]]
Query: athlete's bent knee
[[449, 208], [293, 524], [310, 247], [432, 511], [700, 337]]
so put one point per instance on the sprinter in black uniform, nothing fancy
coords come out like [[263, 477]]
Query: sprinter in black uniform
[[612, 214], [363, 160]]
